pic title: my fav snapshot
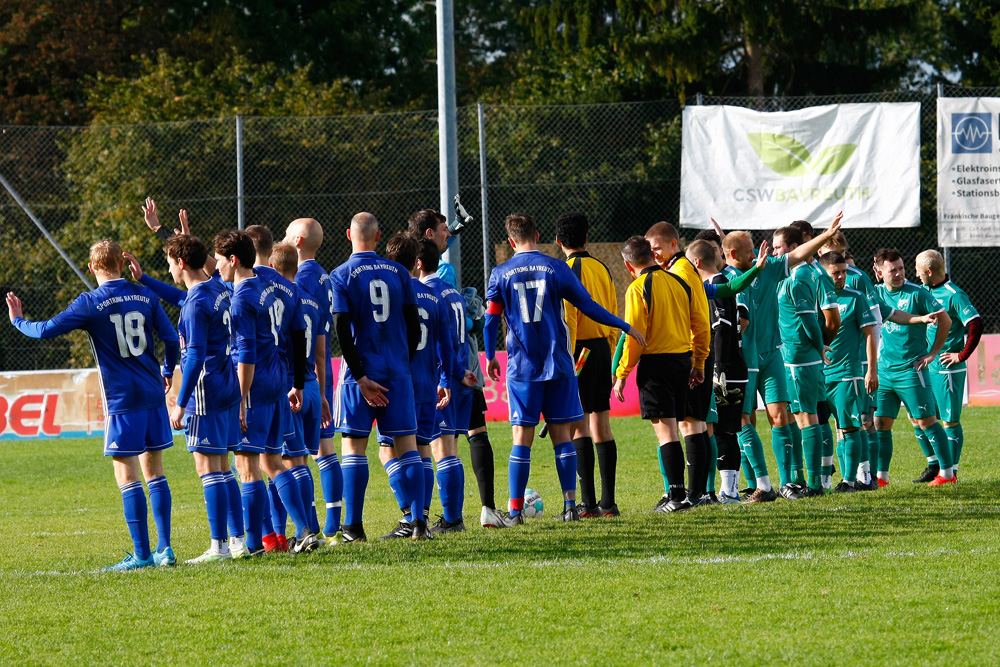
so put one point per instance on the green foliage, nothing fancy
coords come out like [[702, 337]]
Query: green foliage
[[813, 582]]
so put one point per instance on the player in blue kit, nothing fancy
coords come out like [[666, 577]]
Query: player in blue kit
[[455, 416], [209, 394], [528, 290], [376, 320], [306, 236], [257, 315], [298, 444], [430, 394], [119, 319], [170, 294]]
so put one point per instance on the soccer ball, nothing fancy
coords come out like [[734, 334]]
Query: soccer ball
[[532, 504]]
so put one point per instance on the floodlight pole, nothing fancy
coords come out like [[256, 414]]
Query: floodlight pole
[[447, 121], [45, 232]]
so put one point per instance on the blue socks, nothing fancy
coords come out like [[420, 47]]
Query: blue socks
[[307, 490], [411, 470], [331, 479], [518, 468], [428, 482], [451, 481], [134, 504], [277, 513], [216, 504], [254, 497], [160, 502], [288, 491], [566, 465], [235, 517], [355, 470], [392, 469]]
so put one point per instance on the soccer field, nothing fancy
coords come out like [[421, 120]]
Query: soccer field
[[906, 575]]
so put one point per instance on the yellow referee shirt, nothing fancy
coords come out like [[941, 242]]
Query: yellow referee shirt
[[596, 278], [701, 332], [657, 304]]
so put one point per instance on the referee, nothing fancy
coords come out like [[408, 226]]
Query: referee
[[595, 378], [658, 304]]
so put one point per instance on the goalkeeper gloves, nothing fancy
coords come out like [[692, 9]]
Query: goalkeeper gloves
[[462, 218]]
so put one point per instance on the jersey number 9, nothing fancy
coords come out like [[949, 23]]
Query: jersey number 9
[[378, 291]]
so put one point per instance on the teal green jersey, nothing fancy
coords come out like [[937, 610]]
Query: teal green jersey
[[826, 291], [859, 281], [745, 307], [764, 296], [848, 349], [798, 323], [956, 303], [901, 344]]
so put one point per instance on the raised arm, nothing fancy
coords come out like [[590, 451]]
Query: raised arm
[[72, 318], [810, 248]]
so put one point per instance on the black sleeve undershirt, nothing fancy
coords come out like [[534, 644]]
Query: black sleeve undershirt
[[412, 318], [299, 359], [342, 326]]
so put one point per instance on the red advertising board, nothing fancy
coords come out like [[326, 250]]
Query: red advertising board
[[984, 372]]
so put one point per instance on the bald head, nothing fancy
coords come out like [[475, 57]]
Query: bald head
[[306, 235]]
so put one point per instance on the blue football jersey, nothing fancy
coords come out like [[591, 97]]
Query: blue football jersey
[[316, 294], [531, 287], [455, 303], [119, 317], [435, 344], [290, 318], [372, 291], [257, 317], [206, 324]]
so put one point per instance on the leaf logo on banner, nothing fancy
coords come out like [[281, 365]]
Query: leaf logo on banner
[[789, 157]]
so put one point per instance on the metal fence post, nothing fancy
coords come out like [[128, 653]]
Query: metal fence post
[[45, 232], [484, 197], [447, 123], [947, 250], [239, 171]]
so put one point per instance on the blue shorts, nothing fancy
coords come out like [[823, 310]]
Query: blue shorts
[[454, 419], [330, 430], [134, 433], [306, 422], [429, 427], [265, 429], [558, 400], [216, 433], [353, 416]]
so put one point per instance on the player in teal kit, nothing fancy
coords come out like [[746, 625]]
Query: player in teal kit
[[948, 370], [846, 384], [903, 361]]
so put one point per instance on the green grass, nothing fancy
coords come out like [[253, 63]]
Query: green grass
[[907, 575]]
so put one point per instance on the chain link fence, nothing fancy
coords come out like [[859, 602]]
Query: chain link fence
[[620, 163]]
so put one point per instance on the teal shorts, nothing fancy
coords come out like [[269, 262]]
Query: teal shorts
[[806, 384], [713, 410], [771, 377], [911, 387], [948, 387], [750, 393], [846, 399]]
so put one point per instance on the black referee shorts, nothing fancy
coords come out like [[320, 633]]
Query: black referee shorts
[[595, 378], [478, 417], [699, 399], [663, 385]]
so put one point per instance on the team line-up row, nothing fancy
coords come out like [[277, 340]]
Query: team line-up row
[[257, 320]]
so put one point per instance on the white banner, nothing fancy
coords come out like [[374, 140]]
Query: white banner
[[968, 153], [756, 170]]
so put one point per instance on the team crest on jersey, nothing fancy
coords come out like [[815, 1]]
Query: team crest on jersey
[[904, 301]]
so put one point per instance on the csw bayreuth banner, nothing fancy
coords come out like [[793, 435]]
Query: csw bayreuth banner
[[761, 170], [968, 151]]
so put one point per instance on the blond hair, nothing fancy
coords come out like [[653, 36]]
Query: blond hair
[[285, 259], [735, 239], [931, 260], [106, 257], [837, 242]]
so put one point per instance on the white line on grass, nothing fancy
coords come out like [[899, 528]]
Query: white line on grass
[[576, 562]]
